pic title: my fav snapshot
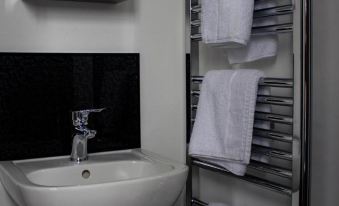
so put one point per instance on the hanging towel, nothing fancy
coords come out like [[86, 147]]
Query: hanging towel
[[259, 46], [222, 133], [226, 22]]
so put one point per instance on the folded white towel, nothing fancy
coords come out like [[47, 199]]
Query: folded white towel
[[222, 132], [260, 46], [226, 22], [217, 204]]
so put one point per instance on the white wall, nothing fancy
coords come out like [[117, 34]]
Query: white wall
[[325, 112], [58, 26], [153, 28], [160, 40]]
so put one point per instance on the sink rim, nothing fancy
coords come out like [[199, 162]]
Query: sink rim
[[11, 170], [92, 167]]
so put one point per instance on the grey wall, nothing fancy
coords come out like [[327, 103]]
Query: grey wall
[[325, 111]]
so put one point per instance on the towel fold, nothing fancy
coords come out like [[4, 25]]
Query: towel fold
[[222, 132], [259, 46], [226, 22]]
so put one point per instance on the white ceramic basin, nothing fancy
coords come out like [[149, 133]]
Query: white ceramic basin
[[124, 178]]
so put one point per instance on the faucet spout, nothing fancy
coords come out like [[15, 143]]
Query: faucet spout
[[79, 146]]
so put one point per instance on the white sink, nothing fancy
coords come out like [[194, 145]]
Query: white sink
[[124, 178]]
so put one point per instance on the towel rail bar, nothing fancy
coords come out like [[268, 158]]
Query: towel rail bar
[[270, 117], [198, 202], [274, 170], [256, 30], [260, 13], [275, 100], [269, 82], [263, 99], [249, 178], [268, 134], [277, 118], [270, 152]]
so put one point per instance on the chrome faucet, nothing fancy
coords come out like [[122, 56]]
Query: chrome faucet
[[82, 134]]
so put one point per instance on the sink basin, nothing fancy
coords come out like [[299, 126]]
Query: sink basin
[[123, 178]]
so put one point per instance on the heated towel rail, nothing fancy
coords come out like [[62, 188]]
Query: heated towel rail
[[287, 170]]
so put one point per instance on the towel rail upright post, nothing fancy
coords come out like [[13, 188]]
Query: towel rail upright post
[[299, 103]]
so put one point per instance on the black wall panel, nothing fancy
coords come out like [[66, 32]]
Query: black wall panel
[[38, 91]]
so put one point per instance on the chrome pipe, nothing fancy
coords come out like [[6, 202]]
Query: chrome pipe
[[273, 135], [270, 117], [270, 152], [275, 100], [268, 134], [198, 202], [256, 30], [260, 13], [270, 169], [263, 99], [249, 178], [269, 82]]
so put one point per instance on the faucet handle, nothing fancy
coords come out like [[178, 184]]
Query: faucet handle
[[81, 117]]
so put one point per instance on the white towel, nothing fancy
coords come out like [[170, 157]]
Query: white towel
[[226, 22], [259, 46], [222, 133]]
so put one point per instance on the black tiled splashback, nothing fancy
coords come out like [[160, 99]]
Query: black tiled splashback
[[38, 92]]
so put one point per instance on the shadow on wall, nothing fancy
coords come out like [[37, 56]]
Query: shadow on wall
[[85, 10]]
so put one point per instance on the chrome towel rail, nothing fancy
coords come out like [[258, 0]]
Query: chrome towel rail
[[277, 118], [275, 100], [266, 168], [249, 178], [269, 82], [270, 117], [273, 135], [195, 201], [288, 126], [256, 30], [263, 99], [260, 13], [269, 134], [274, 11], [274, 153]]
